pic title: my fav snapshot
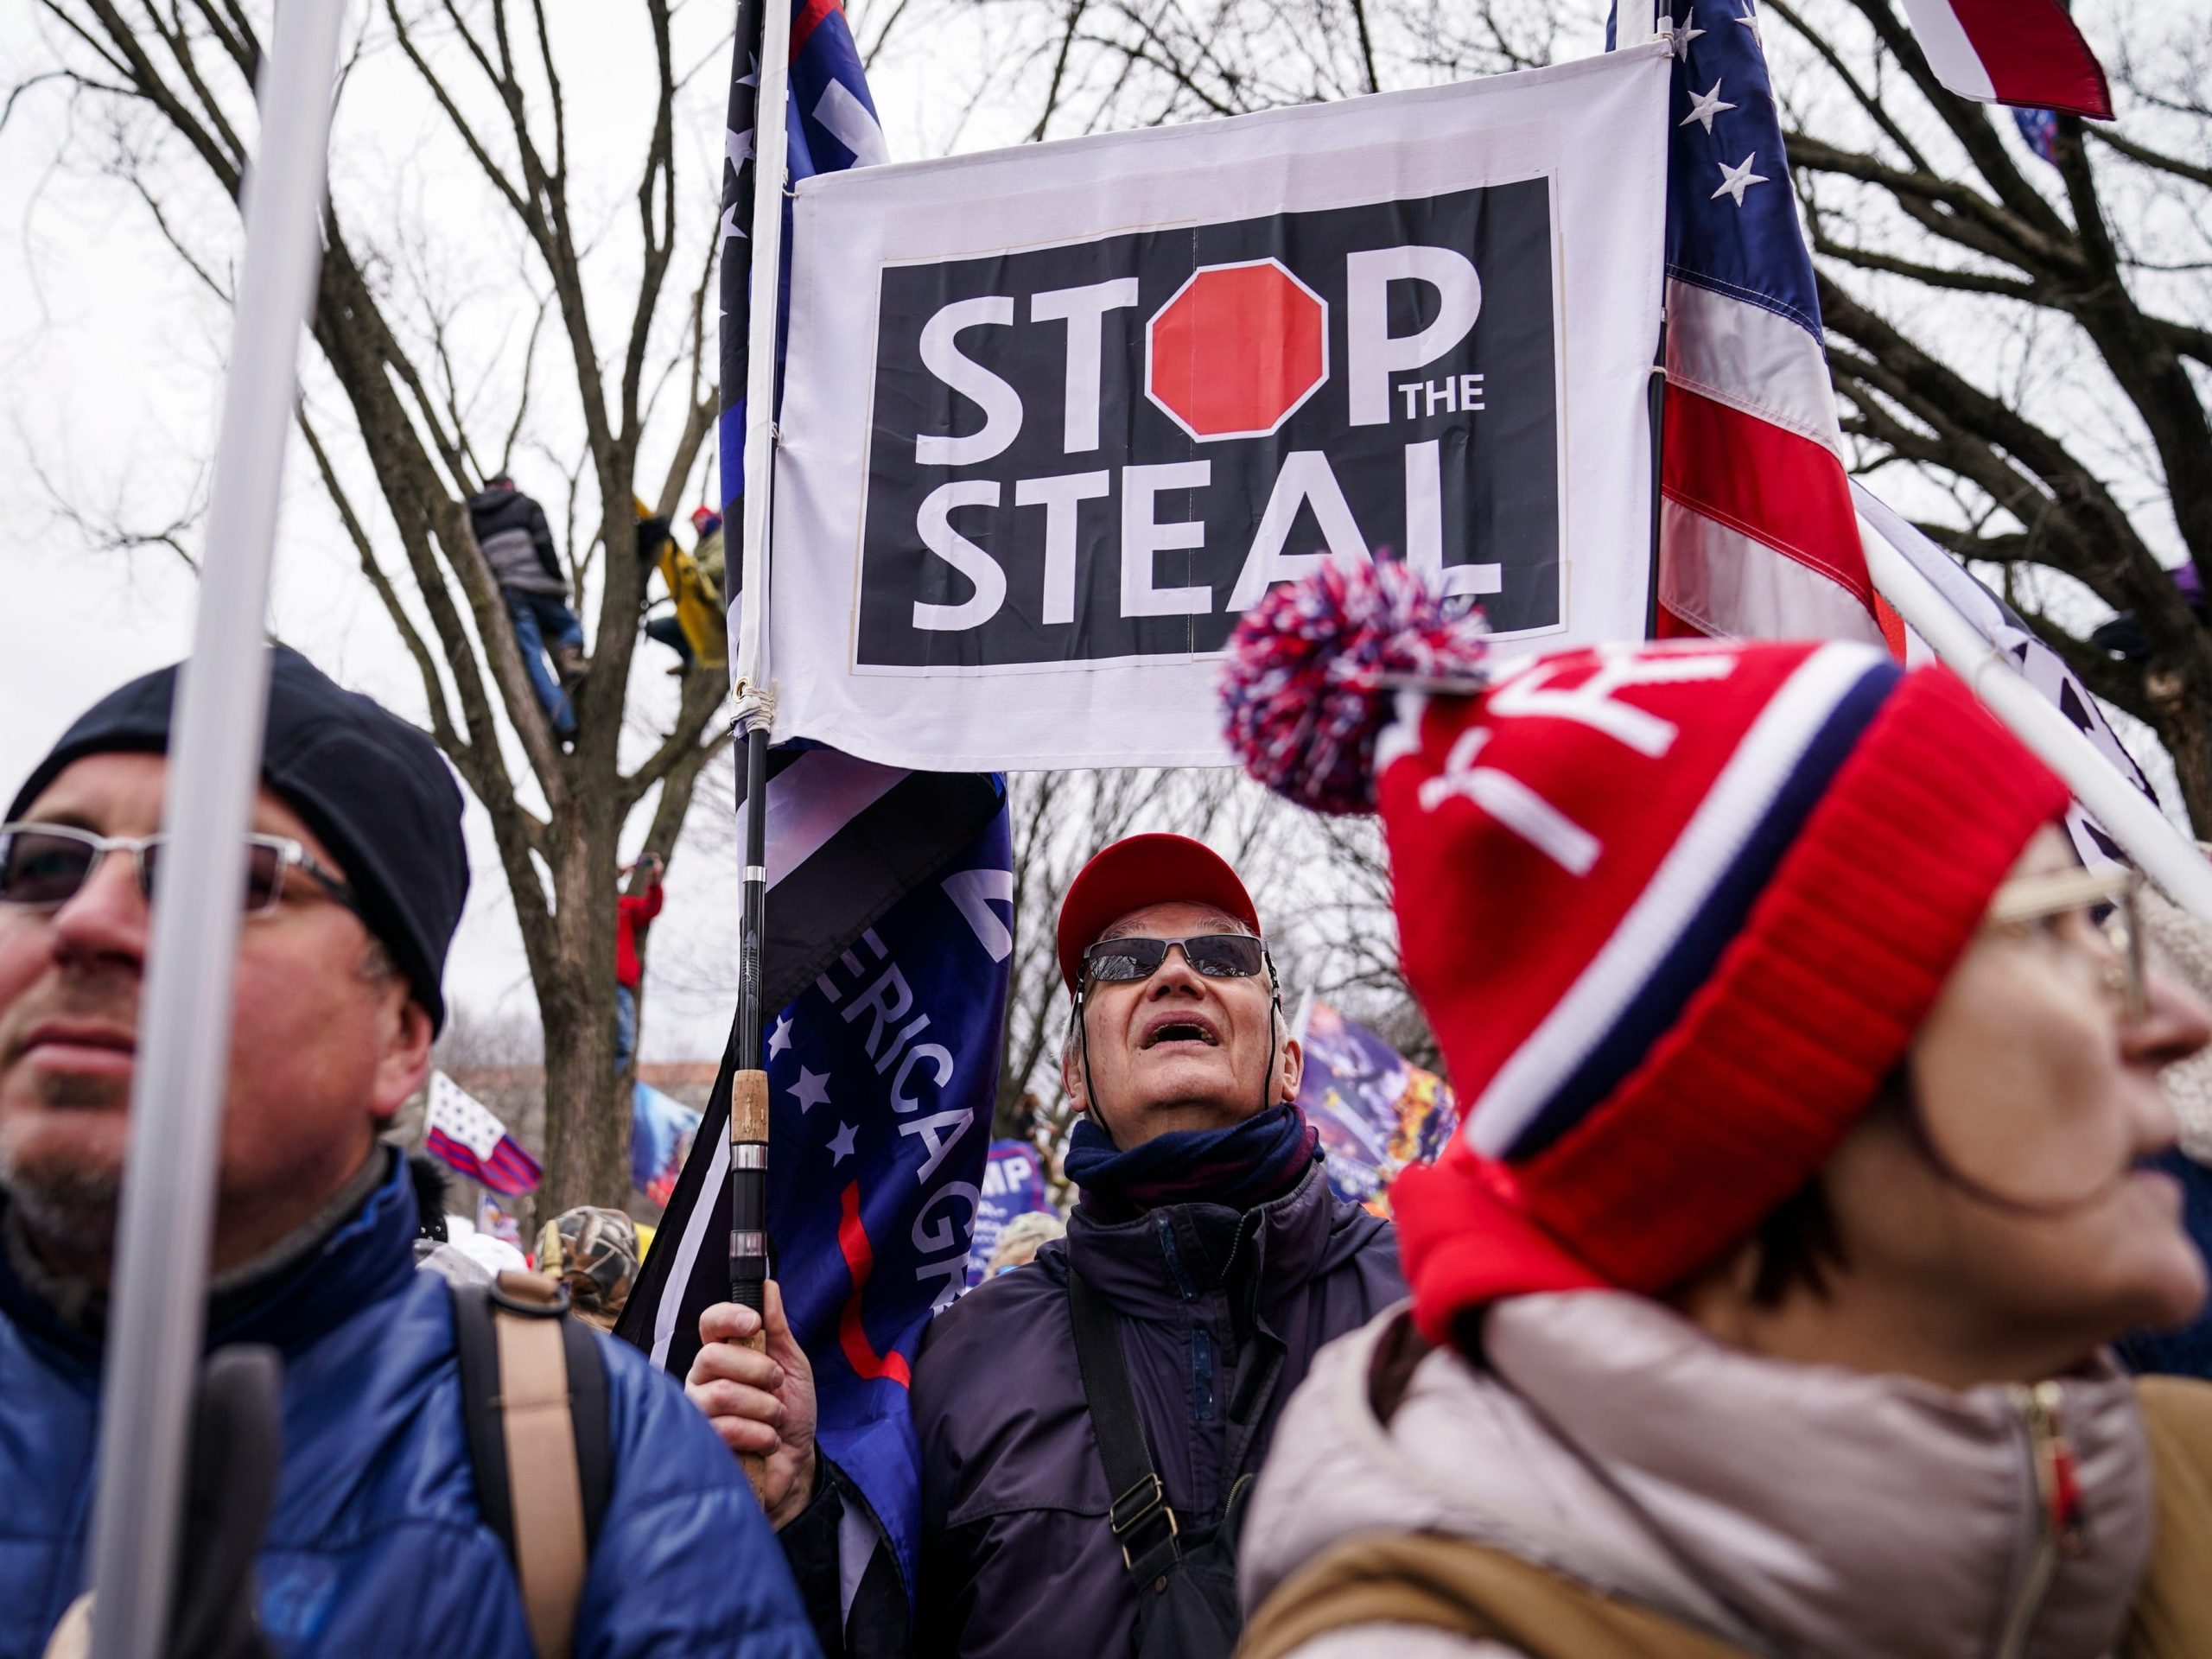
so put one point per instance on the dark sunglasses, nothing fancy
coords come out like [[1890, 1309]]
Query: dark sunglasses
[[1216, 956], [45, 865]]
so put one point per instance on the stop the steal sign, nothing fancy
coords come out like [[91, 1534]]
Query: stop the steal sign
[[1110, 449], [1055, 418]]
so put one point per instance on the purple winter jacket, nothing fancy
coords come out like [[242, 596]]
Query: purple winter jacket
[[1017, 1559]]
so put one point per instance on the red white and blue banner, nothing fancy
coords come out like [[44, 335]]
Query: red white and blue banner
[[882, 1063], [881, 1078], [460, 1130], [2011, 52], [1376, 1110], [1056, 417], [1014, 1185]]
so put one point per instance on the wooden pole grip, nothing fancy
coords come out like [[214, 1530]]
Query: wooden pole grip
[[748, 1108], [748, 1143]]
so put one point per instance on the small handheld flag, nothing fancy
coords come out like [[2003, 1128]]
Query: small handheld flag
[[460, 1130]]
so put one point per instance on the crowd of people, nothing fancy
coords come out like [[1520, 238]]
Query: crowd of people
[[1765, 1303]]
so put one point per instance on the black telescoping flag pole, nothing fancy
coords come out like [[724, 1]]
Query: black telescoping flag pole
[[759, 81]]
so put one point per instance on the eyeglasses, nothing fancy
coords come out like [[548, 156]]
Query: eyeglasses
[[43, 866], [2106, 899], [1216, 956]]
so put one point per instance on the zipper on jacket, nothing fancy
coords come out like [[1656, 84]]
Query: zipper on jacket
[[2059, 1504], [1184, 1287], [1202, 1373]]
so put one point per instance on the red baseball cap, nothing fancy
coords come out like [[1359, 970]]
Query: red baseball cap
[[1141, 870]]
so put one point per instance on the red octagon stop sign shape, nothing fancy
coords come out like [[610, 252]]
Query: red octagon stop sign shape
[[1236, 350]]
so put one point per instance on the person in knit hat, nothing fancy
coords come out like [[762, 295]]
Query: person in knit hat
[[1761, 1304], [380, 1539]]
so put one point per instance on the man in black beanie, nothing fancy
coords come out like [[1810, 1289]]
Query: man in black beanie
[[352, 878]]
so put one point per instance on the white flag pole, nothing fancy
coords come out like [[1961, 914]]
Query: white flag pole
[[176, 1106], [771, 153], [2147, 836], [1635, 22]]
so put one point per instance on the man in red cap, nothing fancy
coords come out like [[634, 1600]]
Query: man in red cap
[[1088, 1425]]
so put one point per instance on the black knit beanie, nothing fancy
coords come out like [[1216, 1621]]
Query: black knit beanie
[[374, 789]]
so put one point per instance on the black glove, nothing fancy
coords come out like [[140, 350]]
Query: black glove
[[231, 1485]]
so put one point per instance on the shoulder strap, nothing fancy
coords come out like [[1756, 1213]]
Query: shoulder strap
[[1483, 1594], [1143, 1525], [534, 1408], [2173, 1612]]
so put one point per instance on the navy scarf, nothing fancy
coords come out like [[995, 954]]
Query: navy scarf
[[1247, 1164]]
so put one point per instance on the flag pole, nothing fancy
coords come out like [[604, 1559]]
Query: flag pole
[[1655, 412], [749, 1100], [2144, 833], [160, 1278], [1635, 23]]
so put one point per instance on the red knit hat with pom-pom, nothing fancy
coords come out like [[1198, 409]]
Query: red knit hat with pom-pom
[[1674, 911]]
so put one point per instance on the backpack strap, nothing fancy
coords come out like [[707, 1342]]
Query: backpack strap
[[534, 1408], [1470, 1590], [2171, 1616], [1142, 1524]]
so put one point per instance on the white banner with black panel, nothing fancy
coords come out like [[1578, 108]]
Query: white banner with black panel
[[1054, 418]]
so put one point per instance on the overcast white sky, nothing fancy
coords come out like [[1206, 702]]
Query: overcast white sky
[[109, 356]]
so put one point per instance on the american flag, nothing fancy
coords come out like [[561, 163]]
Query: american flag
[[460, 1130], [1756, 535]]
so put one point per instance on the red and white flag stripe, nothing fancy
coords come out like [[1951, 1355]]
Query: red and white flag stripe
[[2022, 52], [1757, 537]]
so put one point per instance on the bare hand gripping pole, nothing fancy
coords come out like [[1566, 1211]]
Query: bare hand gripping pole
[[749, 1100], [176, 1106]]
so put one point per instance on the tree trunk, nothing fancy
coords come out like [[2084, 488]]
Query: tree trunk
[[587, 1140], [2182, 717]]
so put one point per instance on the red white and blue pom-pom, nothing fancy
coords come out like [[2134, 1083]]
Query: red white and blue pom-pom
[[1310, 667]]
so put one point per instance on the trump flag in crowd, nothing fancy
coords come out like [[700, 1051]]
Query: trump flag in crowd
[[662, 1130], [1057, 415], [1375, 1110], [883, 959], [890, 926], [1014, 1185]]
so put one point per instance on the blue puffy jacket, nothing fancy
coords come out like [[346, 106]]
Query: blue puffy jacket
[[375, 1550]]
